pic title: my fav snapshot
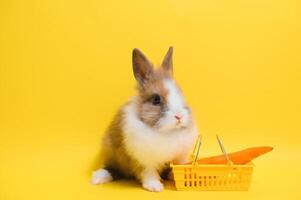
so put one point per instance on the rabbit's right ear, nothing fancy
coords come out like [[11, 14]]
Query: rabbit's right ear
[[167, 61], [142, 68]]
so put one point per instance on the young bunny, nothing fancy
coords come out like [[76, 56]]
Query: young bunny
[[151, 130]]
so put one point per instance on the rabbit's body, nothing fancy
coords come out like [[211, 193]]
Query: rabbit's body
[[152, 130]]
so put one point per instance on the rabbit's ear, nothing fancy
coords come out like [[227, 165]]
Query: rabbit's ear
[[167, 61], [142, 68]]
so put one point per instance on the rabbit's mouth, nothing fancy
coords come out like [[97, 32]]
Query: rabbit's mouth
[[171, 128], [181, 126]]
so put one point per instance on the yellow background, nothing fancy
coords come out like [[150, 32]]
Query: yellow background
[[65, 68]]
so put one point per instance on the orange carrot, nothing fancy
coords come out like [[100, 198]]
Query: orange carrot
[[239, 157]]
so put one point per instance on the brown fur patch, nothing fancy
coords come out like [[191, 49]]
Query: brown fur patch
[[114, 154], [148, 112]]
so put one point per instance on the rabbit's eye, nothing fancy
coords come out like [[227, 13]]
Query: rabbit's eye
[[156, 99]]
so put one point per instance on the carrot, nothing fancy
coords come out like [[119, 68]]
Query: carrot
[[239, 157]]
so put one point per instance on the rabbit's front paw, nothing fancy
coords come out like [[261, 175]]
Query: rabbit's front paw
[[153, 185]]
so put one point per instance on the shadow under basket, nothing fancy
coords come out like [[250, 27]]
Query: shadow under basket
[[212, 177]]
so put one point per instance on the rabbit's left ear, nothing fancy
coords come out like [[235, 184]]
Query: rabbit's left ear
[[142, 68], [167, 61]]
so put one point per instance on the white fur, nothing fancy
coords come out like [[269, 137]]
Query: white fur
[[152, 148], [175, 100], [101, 176]]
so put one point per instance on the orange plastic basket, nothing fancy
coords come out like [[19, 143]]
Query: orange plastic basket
[[212, 177]]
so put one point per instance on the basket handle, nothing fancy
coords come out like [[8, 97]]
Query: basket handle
[[196, 149], [229, 162]]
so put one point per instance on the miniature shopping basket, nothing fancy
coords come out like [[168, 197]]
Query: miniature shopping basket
[[212, 177]]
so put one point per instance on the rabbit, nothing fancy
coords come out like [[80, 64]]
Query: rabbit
[[150, 131]]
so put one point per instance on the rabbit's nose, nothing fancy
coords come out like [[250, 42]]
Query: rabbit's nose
[[178, 117]]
